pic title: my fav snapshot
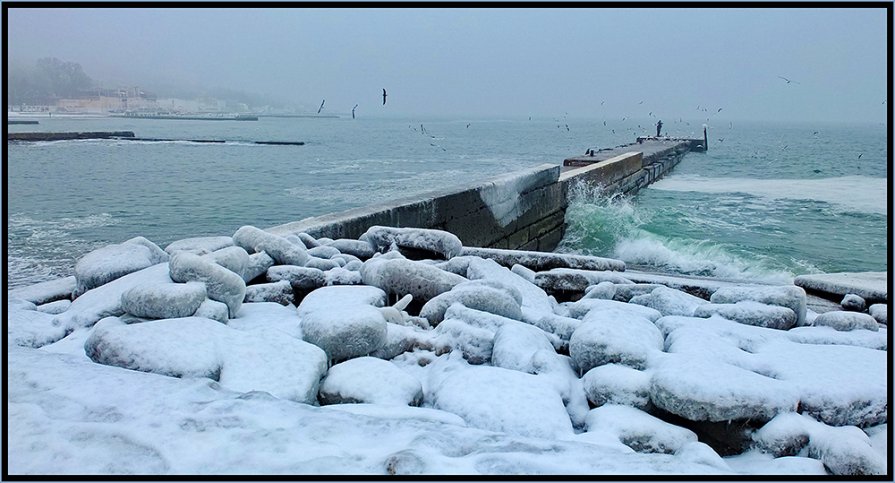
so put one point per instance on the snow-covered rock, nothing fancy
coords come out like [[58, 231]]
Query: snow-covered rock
[[30, 328], [323, 264], [108, 263], [221, 284], [163, 300], [533, 299], [214, 310], [560, 326], [370, 380], [602, 290], [614, 337], [845, 321], [324, 251], [400, 277], [479, 297], [626, 291], [301, 278], [750, 313], [359, 248], [54, 308], [258, 265], [582, 307], [199, 245], [617, 384], [515, 346], [669, 301], [432, 243], [280, 249], [853, 302], [342, 276], [45, 292], [345, 321], [235, 259], [540, 261], [638, 430], [474, 343], [573, 280], [403, 338], [788, 296], [277, 292], [880, 312]]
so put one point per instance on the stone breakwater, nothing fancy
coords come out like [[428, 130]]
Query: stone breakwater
[[529, 344]]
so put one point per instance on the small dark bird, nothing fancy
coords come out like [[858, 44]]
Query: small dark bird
[[651, 113], [567, 127], [788, 81], [467, 126], [814, 133], [784, 147], [719, 109], [352, 111], [624, 118], [859, 156], [384, 95], [817, 171], [613, 131], [604, 123], [641, 102], [321, 106], [720, 140], [604, 102]]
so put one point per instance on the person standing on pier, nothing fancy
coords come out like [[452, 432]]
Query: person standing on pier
[[659, 128]]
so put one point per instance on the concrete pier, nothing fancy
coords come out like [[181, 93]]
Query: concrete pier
[[523, 210], [64, 136]]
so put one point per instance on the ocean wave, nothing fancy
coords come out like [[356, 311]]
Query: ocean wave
[[862, 194]]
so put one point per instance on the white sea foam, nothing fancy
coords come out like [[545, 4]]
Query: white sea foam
[[861, 194]]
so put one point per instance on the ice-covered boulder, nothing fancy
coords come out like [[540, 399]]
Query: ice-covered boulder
[[277, 292], [214, 310], [280, 249], [345, 321], [582, 307], [323, 264], [614, 337], [403, 338], [474, 343], [750, 313], [163, 300], [496, 399], [54, 308], [359, 248], [617, 384], [301, 278], [342, 276], [258, 265], [853, 302], [45, 292], [560, 326], [515, 345], [540, 261], [845, 321], [869, 339], [626, 291], [880, 312], [533, 299], [108, 263], [602, 290], [324, 251], [221, 284], [479, 297], [30, 328], [788, 296], [199, 245], [573, 280], [308, 241], [843, 450], [370, 380], [871, 286], [638, 430], [400, 277], [669, 301], [235, 259], [426, 242]]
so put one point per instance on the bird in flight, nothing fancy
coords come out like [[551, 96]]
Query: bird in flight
[[788, 81], [384, 95], [352, 111], [321, 106], [859, 156], [719, 109]]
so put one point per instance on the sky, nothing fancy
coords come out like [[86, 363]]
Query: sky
[[491, 63]]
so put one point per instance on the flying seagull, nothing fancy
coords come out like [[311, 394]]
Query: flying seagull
[[321, 106], [719, 109], [352, 111], [859, 156], [384, 95], [788, 81]]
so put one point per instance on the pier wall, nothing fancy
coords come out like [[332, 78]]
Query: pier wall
[[523, 210]]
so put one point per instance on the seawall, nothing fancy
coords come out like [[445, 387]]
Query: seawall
[[521, 210]]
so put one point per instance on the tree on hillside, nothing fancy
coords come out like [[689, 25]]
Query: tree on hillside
[[49, 79]]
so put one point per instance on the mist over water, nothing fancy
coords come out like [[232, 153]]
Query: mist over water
[[748, 208]]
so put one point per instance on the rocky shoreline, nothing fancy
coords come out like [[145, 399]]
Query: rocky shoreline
[[527, 344]]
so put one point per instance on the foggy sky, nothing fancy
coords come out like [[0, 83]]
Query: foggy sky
[[491, 62]]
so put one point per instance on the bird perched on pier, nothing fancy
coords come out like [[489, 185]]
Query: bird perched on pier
[[788, 81], [384, 95], [321, 106]]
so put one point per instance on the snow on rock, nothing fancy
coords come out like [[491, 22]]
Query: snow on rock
[[845, 321], [432, 243], [638, 430], [267, 316], [516, 344], [669, 301], [788, 296], [602, 290], [532, 297], [626, 291], [343, 320], [214, 310], [342, 276], [497, 399], [853, 302], [308, 240], [323, 264], [163, 300], [540, 261], [280, 249], [235, 259], [199, 245], [526, 273], [54, 308], [560, 326], [871, 286], [474, 296], [750, 313], [324, 251], [359, 248], [843, 450], [370, 380], [403, 338], [400, 277], [30, 328], [880, 312], [614, 337], [258, 265], [221, 284], [870, 339], [573, 280], [581, 308], [457, 265], [45, 292], [617, 384], [474, 343], [277, 292], [111, 262], [492, 322], [301, 278], [105, 301]]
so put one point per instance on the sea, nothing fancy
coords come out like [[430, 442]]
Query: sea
[[768, 201]]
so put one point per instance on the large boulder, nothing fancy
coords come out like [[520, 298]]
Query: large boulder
[[370, 380], [301, 278], [345, 321], [199, 245], [669, 301], [163, 300], [845, 321], [788, 296], [283, 251], [221, 284], [474, 296], [277, 292], [111, 262], [617, 384], [614, 337], [400, 277], [638, 430], [751, 313], [427, 243]]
